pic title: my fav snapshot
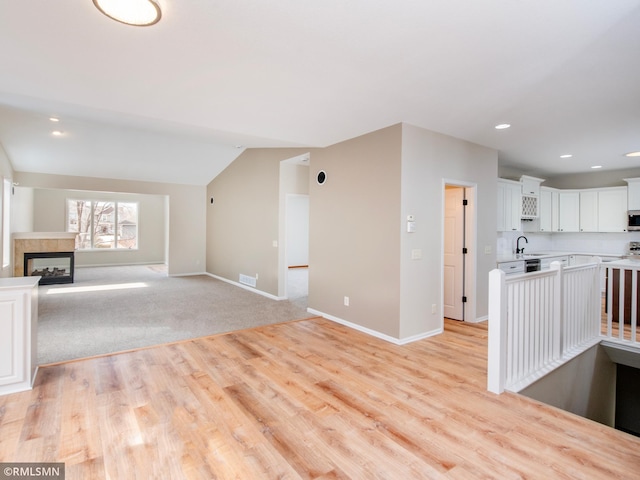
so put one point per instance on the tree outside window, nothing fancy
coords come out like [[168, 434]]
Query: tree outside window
[[103, 225]]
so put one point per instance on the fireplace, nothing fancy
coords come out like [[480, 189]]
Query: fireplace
[[53, 267]]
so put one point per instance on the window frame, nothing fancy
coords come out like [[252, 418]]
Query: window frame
[[92, 228]]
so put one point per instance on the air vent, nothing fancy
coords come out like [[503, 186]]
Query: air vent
[[529, 207], [247, 280]]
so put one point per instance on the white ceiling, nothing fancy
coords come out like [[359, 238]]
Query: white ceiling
[[171, 102]]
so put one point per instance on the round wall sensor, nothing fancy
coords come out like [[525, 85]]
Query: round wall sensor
[[322, 177]]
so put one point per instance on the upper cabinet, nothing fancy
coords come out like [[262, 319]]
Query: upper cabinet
[[568, 211], [530, 185], [612, 209], [633, 201], [558, 210], [509, 206], [589, 210], [530, 199]]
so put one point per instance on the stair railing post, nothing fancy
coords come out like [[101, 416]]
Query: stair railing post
[[497, 343]]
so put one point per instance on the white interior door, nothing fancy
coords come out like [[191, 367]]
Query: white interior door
[[453, 256]]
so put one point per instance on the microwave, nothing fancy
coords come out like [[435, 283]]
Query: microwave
[[634, 220]]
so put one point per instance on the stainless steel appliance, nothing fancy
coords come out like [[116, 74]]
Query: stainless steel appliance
[[531, 265], [633, 248], [634, 220]]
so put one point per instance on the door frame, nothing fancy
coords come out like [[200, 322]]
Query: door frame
[[471, 241]]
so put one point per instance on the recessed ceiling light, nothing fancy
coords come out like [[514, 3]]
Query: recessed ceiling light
[[139, 13], [596, 166], [54, 119], [566, 155], [502, 126], [632, 154], [56, 133]]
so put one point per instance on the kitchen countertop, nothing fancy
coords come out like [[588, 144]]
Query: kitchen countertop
[[527, 255]]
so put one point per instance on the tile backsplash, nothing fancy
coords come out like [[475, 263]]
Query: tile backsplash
[[613, 243]]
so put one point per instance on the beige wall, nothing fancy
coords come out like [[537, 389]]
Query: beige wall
[[50, 215], [186, 212], [354, 228], [428, 160], [358, 245], [243, 222]]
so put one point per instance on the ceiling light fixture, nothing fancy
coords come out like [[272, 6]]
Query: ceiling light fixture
[[566, 155], [54, 119], [596, 166], [502, 126], [632, 154], [56, 133], [139, 13]]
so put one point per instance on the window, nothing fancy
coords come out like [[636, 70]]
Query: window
[[103, 225], [6, 222]]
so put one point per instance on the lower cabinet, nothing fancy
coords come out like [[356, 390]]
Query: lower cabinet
[[18, 333]]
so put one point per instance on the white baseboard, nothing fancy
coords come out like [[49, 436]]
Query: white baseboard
[[479, 319], [246, 287], [374, 333], [191, 274]]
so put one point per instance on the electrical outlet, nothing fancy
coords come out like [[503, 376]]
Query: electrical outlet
[[346, 301], [433, 309]]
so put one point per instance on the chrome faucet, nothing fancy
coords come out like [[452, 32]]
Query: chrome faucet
[[518, 249]]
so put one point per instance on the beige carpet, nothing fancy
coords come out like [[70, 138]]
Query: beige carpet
[[110, 309]]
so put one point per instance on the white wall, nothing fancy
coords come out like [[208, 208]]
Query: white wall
[[22, 209]]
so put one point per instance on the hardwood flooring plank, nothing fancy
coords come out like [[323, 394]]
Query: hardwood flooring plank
[[308, 399]]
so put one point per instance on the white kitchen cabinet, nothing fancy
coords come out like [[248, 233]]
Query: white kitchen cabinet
[[568, 211], [545, 263], [18, 333], [589, 211], [508, 214], [513, 267], [531, 185], [633, 200], [545, 209], [612, 210]]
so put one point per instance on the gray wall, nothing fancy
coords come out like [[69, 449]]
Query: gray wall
[[594, 179], [585, 386], [50, 216], [428, 160]]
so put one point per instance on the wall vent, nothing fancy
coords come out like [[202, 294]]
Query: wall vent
[[247, 280]]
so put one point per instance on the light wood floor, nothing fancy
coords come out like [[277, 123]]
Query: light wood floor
[[306, 399]]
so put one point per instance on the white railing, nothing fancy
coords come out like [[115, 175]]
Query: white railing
[[622, 302], [540, 320]]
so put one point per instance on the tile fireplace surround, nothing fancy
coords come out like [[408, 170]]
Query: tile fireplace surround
[[39, 242]]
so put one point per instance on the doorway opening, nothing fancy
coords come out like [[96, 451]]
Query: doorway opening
[[459, 252], [293, 251]]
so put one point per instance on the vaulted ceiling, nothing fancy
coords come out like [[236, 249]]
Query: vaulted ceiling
[[178, 101]]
